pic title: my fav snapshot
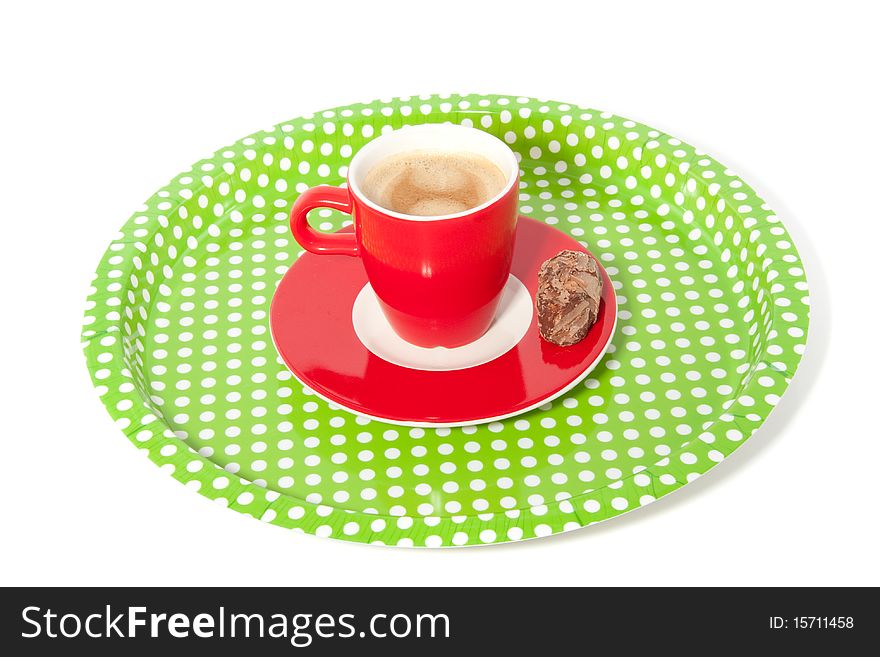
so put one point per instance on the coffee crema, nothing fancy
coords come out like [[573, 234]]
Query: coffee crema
[[430, 183]]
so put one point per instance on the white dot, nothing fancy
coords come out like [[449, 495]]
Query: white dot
[[487, 536], [433, 541]]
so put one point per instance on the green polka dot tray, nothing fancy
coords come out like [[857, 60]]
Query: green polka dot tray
[[711, 324]]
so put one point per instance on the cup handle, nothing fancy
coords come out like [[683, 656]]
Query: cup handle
[[322, 196]]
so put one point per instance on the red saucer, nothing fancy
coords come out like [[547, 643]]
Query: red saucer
[[311, 322]]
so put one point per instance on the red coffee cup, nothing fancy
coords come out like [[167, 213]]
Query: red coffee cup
[[438, 279]]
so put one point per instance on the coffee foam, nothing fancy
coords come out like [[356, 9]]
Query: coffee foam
[[430, 183]]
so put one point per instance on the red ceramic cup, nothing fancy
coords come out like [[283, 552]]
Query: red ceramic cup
[[438, 279]]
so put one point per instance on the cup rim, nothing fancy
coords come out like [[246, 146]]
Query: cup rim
[[355, 189]]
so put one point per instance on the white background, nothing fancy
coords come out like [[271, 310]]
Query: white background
[[101, 103]]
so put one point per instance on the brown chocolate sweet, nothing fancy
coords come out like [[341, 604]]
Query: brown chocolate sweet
[[569, 290]]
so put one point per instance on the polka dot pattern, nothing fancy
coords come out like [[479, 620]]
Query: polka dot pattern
[[713, 319]]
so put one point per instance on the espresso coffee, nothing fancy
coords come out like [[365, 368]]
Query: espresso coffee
[[429, 183]]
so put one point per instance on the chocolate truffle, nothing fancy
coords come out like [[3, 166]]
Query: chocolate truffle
[[569, 290]]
